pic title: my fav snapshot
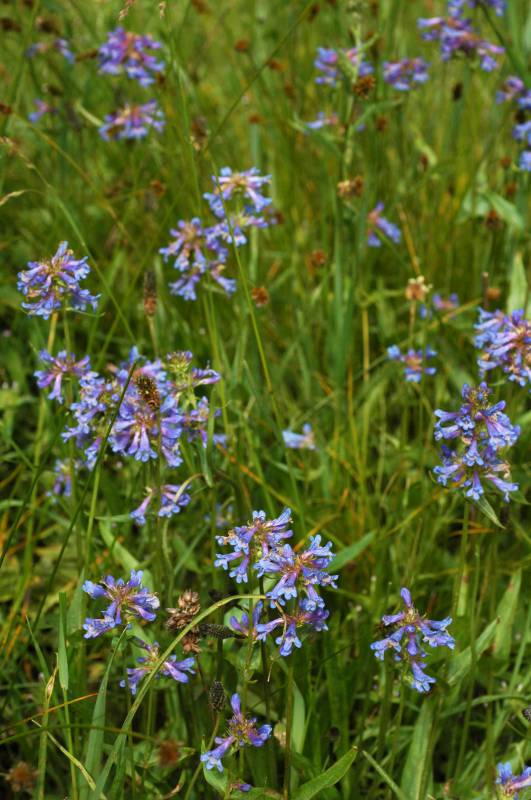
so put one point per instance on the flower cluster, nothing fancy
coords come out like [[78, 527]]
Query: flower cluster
[[480, 431], [49, 283], [292, 575], [57, 367], [505, 342], [242, 732], [132, 122], [170, 669], [457, 36], [514, 91], [413, 362], [410, 631], [375, 222], [159, 407], [128, 600], [509, 784], [197, 250], [333, 63], [405, 74], [443, 305], [130, 54], [300, 441]]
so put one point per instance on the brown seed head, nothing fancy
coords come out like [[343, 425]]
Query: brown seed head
[[22, 777], [417, 289], [242, 45], [260, 296], [169, 752], [351, 188], [150, 293], [493, 221], [363, 87]]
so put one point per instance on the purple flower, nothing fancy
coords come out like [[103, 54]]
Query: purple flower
[[61, 45], [469, 470], [511, 785], [514, 90], [300, 441], [376, 221], [42, 108], [305, 570], [476, 423], [333, 63], [46, 284], [244, 188], [129, 54], [405, 74], [242, 732], [128, 599], [63, 478], [505, 342], [170, 669], [60, 365], [456, 36], [525, 160], [323, 121], [172, 500], [413, 361], [254, 540], [133, 122], [410, 631]]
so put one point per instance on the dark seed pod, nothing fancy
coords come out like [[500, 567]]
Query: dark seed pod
[[150, 293], [205, 629], [217, 697], [527, 713], [147, 389]]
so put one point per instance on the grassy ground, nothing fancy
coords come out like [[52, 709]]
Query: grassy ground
[[238, 88]]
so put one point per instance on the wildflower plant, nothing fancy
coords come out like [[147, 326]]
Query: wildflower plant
[[409, 632]]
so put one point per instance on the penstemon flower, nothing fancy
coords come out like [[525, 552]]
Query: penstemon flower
[[334, 63], [60, 365], [375, 221], [242, 732], [172, 500], [127, 601], [133, 122], [50, 283], [505, 342], [409, 631], [43, 107], [245, 187], [413, 361], [171, 668], [456, 36], [405, 74], [60, 45], [129, 54], [300, 441], [508, 784]]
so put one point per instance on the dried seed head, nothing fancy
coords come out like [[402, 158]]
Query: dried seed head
[[188, 606], [364, 86], [217, 697], [351, 188], [147, 389], [169, 752], [22, 777], [493, 221], [260, 296], [150, 293], [417, 289], [527, 713]]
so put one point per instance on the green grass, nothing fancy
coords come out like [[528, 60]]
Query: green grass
[[315, 353]]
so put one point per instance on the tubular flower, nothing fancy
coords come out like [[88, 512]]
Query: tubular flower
[[49, 283], [304, 570], [413, 361], [63, 478], [133, 122], [129, 53], [170, 669], [480, 431], [128, 601], [505, 341], [60, 365], [42, 108], [510, 784], [375, 222], [334, 63], [245, 187], [405, 74], [300, 441], [456, 36], [252, 541], [60, 45], [242, 732], [409, 631], [172, 500]]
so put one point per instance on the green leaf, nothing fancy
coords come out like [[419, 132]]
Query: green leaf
[[215, 779], [462, 662], [62, 657], [352, 551], [298, 730], [507, 211], [418, 754], [506, 613], [518, 287], [327, 779], [74, 619], [484, 506], [385, 776]]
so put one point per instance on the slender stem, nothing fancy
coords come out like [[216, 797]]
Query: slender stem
[[461, 571], [289, 723]]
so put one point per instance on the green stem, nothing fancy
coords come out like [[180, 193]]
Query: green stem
[[199, 766], [289, 723]]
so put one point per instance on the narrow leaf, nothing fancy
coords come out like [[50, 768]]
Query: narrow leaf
[[418, 753], [327, 779], [462, 662]]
